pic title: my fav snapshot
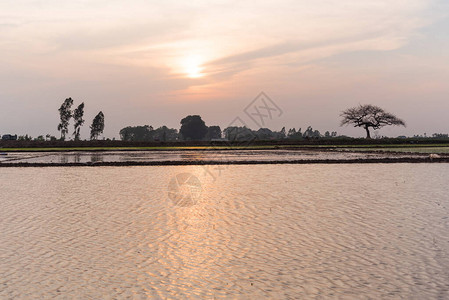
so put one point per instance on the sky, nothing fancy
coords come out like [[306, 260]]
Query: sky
[[155, 62]]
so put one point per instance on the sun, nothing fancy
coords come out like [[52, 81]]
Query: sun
[[192, 66]]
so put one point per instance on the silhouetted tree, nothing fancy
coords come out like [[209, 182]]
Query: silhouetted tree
[[164, 134], [193, 128], [78, 114], [283, 135], [440, 135], [137, 133], [147, 133], [367, 116], [213, 132], [24, 138], [264, 134], [291, 132], [310, 133], [236, 133], [65, 113], [97, 126]]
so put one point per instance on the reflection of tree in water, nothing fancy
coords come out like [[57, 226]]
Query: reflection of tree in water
[[63, 158], [77, 157], [193, 156], [96, 157]]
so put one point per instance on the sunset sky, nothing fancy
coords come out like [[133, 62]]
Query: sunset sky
[[154, 62]]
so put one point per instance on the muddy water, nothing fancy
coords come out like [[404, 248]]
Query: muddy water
[[263, 231]]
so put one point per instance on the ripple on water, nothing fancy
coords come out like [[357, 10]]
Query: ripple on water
[[271, 231]]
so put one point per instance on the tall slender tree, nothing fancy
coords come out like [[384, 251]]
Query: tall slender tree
[[65, 113], [97, 126], [78, 114]]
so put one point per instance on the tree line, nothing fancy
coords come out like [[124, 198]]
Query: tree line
[[193, 128], [66, 113]]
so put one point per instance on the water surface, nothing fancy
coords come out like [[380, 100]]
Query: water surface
[[224, 156], [268, 231]]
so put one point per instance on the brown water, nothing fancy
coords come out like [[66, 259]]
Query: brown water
[[262, 231]]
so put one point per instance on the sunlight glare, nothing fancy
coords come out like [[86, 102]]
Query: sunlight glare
[[192, 67]]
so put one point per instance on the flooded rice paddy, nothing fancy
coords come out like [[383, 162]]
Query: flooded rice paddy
[[364, 231], [192, 156]]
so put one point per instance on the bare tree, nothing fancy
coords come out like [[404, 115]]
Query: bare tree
[[367, 116]]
